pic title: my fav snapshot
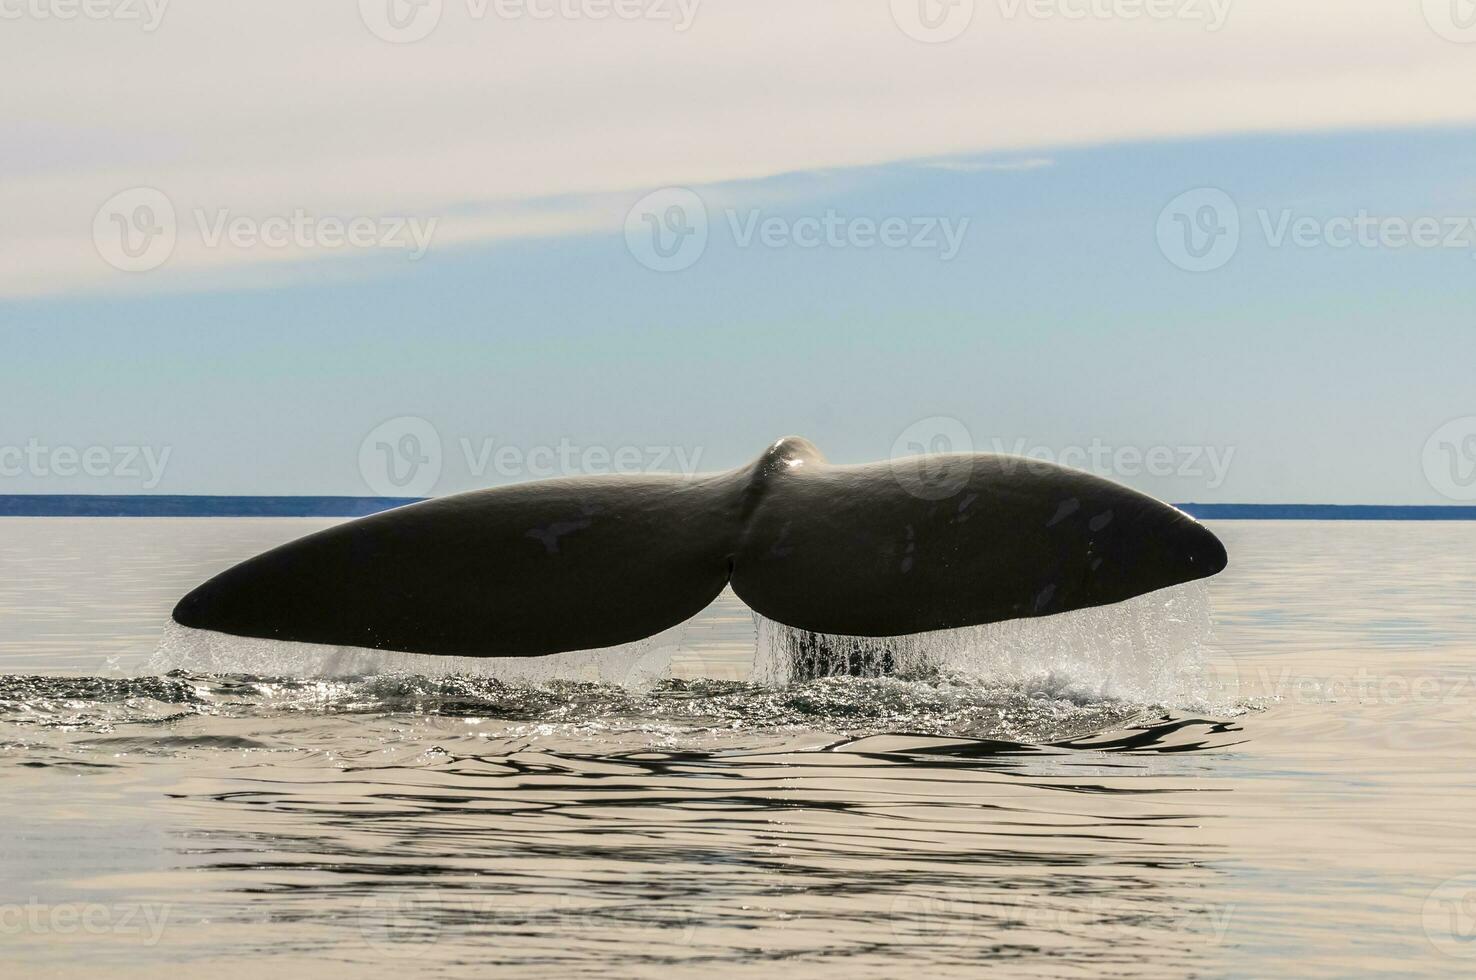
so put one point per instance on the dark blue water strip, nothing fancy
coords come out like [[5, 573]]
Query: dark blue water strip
[[1327, 512], [159, 505]]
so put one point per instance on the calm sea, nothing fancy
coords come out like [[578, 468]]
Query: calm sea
[[1291, 795]]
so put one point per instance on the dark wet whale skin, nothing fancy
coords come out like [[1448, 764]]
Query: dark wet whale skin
[[881, 549]]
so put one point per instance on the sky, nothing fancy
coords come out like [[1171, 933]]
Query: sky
[[1221, 251]]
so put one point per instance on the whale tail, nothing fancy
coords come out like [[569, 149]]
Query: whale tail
[[883, 549]]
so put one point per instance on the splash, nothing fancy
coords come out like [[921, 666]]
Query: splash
[[1148, 650], [637, 666]]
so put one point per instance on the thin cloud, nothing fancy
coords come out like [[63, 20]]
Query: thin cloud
[[286, 106], [989, 166]]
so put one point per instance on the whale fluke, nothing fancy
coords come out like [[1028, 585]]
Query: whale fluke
[[882, 549]]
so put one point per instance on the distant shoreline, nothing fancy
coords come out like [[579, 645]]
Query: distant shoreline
[[160, 505]]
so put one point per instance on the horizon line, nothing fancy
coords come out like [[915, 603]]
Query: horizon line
[[336, 505]]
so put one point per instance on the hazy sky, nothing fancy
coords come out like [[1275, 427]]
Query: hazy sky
[[1223, 251]]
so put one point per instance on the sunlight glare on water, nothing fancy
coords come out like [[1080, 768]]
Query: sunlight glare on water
[[1112, 793]]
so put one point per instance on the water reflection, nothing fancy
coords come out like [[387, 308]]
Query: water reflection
[[545, 855], [859, 827]]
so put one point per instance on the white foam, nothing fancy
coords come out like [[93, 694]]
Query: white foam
[[1150, 650], [639, 665]]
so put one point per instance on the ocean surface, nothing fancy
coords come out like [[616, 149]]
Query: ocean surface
[[1271, 775]]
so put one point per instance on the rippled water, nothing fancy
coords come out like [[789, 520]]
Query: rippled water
[[1099, 796]]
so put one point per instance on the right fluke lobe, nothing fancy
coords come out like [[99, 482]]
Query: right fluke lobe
[[938, 542]]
